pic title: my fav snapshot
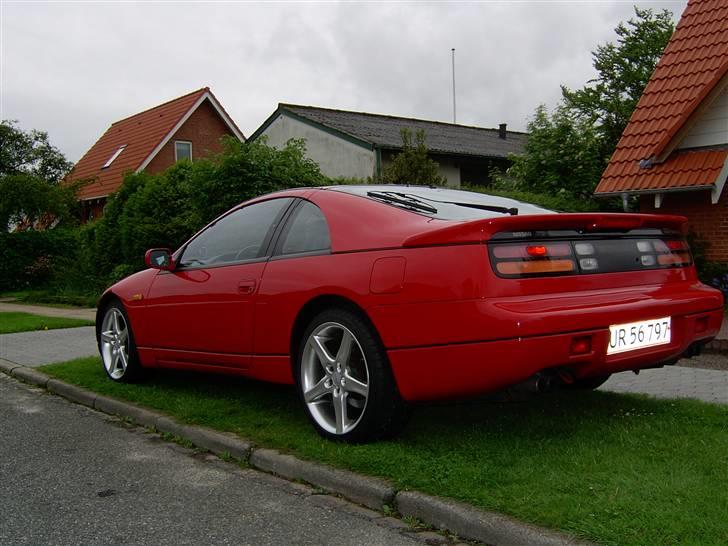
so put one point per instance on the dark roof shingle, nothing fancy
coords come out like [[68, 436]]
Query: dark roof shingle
[[385, 132]]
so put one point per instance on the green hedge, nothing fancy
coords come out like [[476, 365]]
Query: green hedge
[[29, 259]]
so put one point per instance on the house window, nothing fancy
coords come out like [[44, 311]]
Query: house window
[[182, 150], [114, 156]]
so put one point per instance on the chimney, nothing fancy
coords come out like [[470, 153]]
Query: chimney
[[502, 130]]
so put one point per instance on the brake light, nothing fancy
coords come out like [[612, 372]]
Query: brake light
[[669, 253], [519, 260], [593, 255]]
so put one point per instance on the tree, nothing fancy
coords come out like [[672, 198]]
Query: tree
[[623, 69], [29, 202], [30, 153], [165, 209], [568, 150], [561, 155], [412, 165], [245, 170], [30, 172]]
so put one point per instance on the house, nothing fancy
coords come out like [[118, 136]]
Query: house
[[188, 127], [359, 145], [673, 153]]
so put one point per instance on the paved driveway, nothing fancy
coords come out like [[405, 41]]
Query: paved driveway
[[47, 346], [674, 382]]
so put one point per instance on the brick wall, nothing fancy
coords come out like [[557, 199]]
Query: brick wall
[[204, 129], [709, 222]]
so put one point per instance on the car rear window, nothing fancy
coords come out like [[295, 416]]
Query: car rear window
[[444, 203]]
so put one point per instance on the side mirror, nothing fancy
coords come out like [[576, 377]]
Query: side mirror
[[159, 258]]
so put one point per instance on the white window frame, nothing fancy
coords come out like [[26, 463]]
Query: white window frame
[[116, 154], [182, 142]]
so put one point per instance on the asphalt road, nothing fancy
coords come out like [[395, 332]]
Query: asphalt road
[[70, 475]]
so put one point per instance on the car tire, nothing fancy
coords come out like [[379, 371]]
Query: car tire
[[116, 345], [344, 379], [588, 383]]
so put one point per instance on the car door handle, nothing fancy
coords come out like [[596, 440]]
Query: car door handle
[[246, 287]]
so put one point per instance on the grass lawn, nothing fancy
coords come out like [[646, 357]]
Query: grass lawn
[[12, 322], [615, 469]]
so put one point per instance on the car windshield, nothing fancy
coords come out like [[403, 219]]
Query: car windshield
[[444, 203]]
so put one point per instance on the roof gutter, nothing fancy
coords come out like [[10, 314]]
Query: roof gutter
[[654, 191]]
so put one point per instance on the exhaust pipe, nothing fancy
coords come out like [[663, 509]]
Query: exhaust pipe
[[544, 381], [693, 350]]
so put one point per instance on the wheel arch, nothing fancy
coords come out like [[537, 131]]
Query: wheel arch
[[106, 298], [315, 306]]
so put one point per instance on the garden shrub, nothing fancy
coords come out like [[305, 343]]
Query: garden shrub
[[28, 259]]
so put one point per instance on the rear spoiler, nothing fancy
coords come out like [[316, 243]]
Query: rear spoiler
[[478, 231]]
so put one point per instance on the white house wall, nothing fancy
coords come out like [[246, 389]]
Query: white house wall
[[712, 127], [334, 155]]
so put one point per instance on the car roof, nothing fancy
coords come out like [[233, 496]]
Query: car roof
[[443, 198]]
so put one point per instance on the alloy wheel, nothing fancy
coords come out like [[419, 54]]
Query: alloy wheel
[[115, 343], [334, 378]]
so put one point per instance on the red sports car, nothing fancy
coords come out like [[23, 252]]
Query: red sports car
[[369, 298]]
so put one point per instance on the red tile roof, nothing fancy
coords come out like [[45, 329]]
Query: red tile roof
[[142, 133], [694, 61]]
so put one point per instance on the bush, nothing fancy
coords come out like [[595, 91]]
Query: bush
[[166, 209], [562, 202], [247, 170], [412, 165], [31, 258]]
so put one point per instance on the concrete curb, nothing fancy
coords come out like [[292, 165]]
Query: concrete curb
[[444, 514], [371, 492], [72, 392], [218, 443], [112, 406], [29, 375], [7, 367], [473, 523]]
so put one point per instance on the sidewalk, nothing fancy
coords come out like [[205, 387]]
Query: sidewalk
[[44, 310], [48, 346], [673, 382]]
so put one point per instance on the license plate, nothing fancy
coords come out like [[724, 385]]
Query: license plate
[[638, 335]]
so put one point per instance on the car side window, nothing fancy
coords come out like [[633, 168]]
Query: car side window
[[239, 236], [307, 231]]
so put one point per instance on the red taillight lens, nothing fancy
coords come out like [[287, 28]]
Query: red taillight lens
[[673, 253], [677, 245], [581, 345], [518, 260], [536, 251]]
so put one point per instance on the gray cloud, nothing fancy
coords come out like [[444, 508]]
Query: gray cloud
[[74, 68]]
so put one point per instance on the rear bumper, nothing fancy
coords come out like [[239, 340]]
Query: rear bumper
[[450, 370]]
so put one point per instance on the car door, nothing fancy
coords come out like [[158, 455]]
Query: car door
[[202, 312], [300, 266]]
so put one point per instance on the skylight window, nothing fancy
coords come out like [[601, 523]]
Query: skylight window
[[116, 154]]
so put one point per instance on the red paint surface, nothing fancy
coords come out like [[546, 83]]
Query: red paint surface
[[451, 328]]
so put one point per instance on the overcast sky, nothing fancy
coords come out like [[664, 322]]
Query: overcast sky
[[73, 68]]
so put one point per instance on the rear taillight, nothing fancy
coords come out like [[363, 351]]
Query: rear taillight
[[521, 260], [593, 255], [665, 253]]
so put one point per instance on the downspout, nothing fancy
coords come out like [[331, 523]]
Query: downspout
[[378, 159]]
